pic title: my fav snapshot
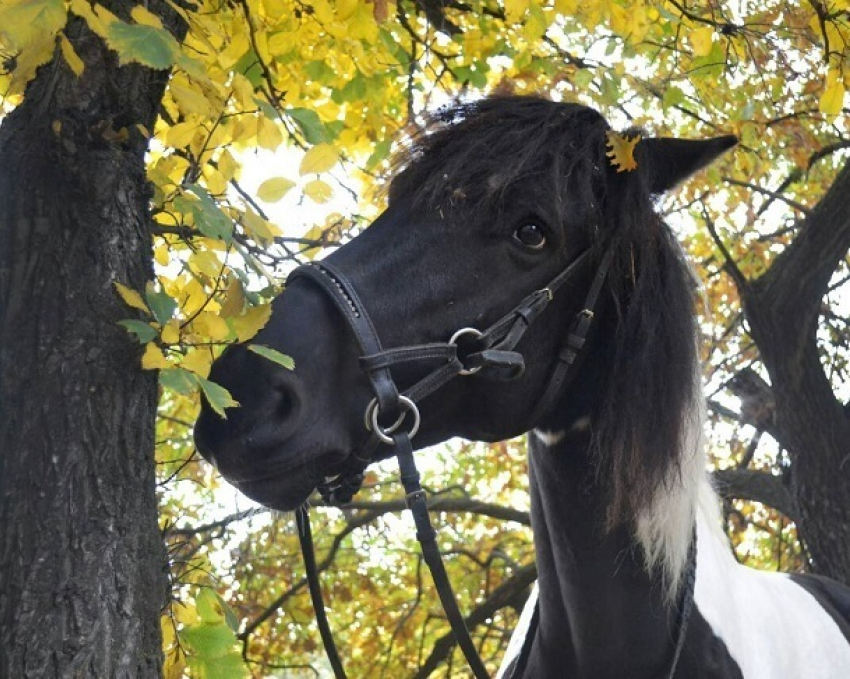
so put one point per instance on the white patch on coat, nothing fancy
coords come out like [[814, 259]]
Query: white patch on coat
[[665, 528], [520, 633], [549, 438], [771, 626]]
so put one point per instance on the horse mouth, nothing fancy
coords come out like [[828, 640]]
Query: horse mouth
[[288, 489]]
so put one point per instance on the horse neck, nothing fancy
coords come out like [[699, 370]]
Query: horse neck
[[601, 608]]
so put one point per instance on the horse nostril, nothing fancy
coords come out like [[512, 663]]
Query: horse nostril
[[288, 404], [287, 399]]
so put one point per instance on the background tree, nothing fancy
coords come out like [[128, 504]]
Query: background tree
[[145, 221]]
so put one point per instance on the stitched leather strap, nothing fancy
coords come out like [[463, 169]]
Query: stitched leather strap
[[493, 350]]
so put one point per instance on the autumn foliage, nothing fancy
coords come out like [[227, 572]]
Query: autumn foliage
[[279, 112]]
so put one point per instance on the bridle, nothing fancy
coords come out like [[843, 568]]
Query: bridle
[[492, 351]]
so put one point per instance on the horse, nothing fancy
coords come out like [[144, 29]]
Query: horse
[[510, 214]]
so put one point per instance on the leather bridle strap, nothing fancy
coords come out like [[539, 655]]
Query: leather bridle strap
[[571, 348], [417, 503], [305, 537], [491, 349]]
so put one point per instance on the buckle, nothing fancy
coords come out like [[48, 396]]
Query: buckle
[[415, 496], [385, 433]]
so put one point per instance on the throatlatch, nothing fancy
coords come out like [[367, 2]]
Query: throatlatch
[[490, 350]]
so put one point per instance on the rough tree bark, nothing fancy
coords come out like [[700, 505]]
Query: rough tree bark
[[782, 309], [82, 566]]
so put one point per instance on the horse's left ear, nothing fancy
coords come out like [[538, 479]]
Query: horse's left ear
[[670, 161]]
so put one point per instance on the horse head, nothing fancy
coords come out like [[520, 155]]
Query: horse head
[[492, 204]]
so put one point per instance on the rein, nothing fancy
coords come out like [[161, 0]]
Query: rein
[[490, 350]]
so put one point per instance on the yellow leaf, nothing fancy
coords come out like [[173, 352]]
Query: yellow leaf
[[143, 16], [161, 255], [515, 10], [259, 228], [215, 181], [832, 99], [319, 191], [701, 40], [205, 262], [227, 165], [171, 332], [28, 23], [153, 358], [275, 9], [269, 135], [211, 326], [251, 322], [71, 57], [630, 22], [345, 8], [566, 7], [362, 25], [26, 63], [185, 613], [190, 99], [272, 190], [234, 298], [320, 158], [132, 298], [193, 297], [323, 12], [82, 8], [181, 134], [198, 361], [243, 91], [621, 151], [316, 233]]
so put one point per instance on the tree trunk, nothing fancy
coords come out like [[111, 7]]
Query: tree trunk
[[82, 566], [782, 309]]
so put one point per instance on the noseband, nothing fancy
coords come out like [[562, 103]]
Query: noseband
[[492, 351]]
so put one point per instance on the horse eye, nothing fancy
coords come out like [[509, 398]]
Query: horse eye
[[531, 236]]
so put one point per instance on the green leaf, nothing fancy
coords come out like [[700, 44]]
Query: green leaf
[[208, 605], [209, 641], [319, 71], [146, 45], [161, 304], [311, 126], [217, 396], [178, 379], [673, 97], [273, 355], [212, 609], [229, 666], [144, 333], [381, 152], [209, 218]]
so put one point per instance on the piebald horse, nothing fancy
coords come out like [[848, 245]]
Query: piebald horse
[[509, 208]]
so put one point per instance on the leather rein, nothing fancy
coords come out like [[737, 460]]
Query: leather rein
[[491, 350]]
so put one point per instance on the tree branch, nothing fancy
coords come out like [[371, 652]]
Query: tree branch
[[513, 592], [731, 266], [747, 484], [358, 521], [800, 275], [775, 195], [441, 504]]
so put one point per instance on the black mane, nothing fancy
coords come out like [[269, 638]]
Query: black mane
[[648, 395]]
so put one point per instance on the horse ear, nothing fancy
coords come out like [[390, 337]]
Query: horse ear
[[670, 161]]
